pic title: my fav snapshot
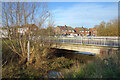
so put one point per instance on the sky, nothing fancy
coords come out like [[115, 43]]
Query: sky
[[60, 0], [86, 14]]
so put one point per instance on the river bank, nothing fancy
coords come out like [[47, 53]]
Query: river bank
[[54, 61]]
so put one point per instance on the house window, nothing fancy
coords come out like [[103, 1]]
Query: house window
[[85, 31], [72, 30], [69, 30]]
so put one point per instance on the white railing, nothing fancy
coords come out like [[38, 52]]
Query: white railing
[[98, 41]]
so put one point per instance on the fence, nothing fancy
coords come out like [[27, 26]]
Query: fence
[[98, 41]]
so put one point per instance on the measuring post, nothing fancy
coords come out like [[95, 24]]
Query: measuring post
[[28, 50]]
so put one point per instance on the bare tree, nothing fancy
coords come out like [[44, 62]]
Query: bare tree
[[18, 14]]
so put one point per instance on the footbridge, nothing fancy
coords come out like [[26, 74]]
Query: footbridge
[[83, 49]]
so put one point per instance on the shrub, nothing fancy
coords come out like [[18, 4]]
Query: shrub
[[7, 54], [106, 67]]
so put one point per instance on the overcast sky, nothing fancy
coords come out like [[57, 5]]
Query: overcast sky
[[87, 14]]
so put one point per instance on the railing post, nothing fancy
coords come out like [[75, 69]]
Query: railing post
[[104, 41], [88, 41], [75, 40], [117, 42], [114, 42], [81, 39]]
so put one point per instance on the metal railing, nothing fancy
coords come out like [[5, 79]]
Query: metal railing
[[98, 41]]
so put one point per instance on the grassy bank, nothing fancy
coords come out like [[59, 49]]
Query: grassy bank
[[38, 68], [105, 66]]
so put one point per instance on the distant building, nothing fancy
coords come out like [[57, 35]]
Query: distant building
[[29, 28], [61, 30], [78, 31], [82, 31], [93, 31], [65, 30], [3, 32], [70, 31]]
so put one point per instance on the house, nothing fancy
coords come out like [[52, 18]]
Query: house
[[93, 31], [64, 30], [3, 32], [61, 30], [70, 31], [82, 31], [78, 31], [29, 28], [86, 32]]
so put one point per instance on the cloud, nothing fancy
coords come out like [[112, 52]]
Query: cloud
[[85, 14]]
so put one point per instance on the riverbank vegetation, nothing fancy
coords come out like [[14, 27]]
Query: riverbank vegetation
[[62, 61], [39, 65], [105, 66]]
